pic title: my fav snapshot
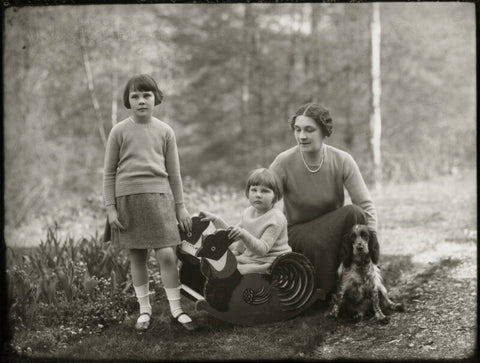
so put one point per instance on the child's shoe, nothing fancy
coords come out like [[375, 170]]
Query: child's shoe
[[144, 321], [190, 325]]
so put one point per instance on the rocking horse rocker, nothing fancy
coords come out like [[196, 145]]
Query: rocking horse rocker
[[209, 277]]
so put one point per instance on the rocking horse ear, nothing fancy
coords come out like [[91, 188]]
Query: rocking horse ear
[[198, 227]]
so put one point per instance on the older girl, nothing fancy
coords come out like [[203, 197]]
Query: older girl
[[143, 195]]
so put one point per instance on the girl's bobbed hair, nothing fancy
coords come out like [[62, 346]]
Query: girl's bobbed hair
[[142, 83], [318, 113], [266, 178]]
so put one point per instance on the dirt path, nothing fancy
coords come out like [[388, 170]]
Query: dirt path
[[429, 259]]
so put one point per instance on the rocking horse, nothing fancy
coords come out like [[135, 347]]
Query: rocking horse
[[209, 277]]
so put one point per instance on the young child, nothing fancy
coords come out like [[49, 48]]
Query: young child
[[262, 231], [143, 195]]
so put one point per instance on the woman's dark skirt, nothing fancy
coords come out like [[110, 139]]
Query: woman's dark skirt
[[320, 241]]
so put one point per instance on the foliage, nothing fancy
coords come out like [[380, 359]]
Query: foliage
[[232, 74], [73, 283], [21, 290], [428, 244]]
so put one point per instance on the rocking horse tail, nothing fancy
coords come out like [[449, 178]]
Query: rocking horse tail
[[294, 277]]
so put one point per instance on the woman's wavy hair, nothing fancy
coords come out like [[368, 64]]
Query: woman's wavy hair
[[142, 83], [266, 178], [318, 113]]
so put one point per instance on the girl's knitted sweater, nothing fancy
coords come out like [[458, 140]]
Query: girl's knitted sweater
[[309, 195], [141, 158], [265, 238]]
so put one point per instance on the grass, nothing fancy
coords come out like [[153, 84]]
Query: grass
[[428, 238]]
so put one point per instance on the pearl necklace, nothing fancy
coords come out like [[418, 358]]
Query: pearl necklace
[[324, 152]]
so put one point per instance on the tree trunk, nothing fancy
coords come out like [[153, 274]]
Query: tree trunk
[[375, 117], [316, 81], [114, 92], [289, 74], [91, 85], [246, 64], [115, 71], [261, 134], [349, 135], [247, 59]]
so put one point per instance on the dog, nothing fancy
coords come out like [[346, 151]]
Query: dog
[[361, 288]]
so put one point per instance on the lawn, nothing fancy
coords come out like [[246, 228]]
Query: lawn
[[428, 237]]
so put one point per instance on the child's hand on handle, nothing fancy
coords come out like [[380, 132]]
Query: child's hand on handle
[[112, 216], [207, 216], [183, 218]]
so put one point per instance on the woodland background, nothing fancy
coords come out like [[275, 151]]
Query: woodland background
[[232, 74]]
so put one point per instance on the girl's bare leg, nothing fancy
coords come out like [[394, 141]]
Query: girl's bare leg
[[138, 266], [138, 263], [167, 261]]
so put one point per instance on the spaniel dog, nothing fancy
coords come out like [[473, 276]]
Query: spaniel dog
[[361, 288]]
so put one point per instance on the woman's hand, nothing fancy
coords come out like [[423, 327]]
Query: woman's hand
[[183, 218], [112, 216], [207, 216], [236, 232]]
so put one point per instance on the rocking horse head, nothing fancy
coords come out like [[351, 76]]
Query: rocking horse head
[[214, 246]]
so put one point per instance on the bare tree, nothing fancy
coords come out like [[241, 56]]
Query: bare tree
[[375, 117], [247, 70], [316, 74], [115, 52], [297, 18], [91, 85]]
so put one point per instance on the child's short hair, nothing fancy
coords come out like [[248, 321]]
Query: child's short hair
[[264, 177], [142, 83]]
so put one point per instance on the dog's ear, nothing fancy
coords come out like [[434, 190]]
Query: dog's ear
[[346, 251], [373, 246]]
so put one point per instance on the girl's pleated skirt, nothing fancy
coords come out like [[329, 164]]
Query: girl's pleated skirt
[[149, 221]]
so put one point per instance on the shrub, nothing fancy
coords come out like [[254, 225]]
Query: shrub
[[81, 285], [21, 292]]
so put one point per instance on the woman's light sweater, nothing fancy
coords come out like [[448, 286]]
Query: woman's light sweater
[[265, 236], [141, 158], [310, 195]]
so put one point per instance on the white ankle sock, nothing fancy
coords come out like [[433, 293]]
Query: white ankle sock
[[143, 297], [173, 297]]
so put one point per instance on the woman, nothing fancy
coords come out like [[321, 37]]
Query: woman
[[313, 176]]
